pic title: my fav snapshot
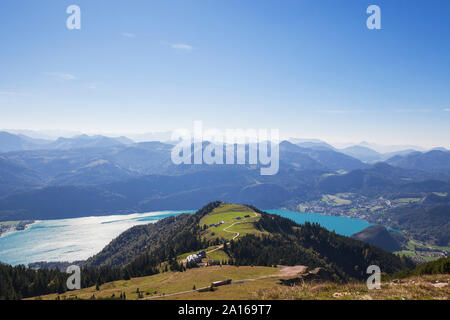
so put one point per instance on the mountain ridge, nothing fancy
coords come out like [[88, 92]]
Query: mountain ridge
[[268, 240]]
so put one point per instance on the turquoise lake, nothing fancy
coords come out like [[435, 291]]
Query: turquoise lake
[[80, 238]]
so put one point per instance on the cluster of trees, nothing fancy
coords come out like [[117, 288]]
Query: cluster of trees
[[160, 241], [147, 250], [20, 282], [312, 245], [440, 266], [271, 250], [140, 251]]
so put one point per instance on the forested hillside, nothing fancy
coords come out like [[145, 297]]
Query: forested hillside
[[263, 240], [160, 241], [379, 236], [312, 245], [278, 241], [424, 222]]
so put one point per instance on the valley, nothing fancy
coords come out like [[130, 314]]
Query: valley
[[419, 247]]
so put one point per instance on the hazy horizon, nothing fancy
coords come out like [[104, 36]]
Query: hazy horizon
[[164, 136], [311, 69]]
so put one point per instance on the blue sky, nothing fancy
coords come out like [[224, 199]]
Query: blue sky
[[310, 68]]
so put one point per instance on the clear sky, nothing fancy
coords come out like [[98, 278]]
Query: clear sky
[[309, 68]]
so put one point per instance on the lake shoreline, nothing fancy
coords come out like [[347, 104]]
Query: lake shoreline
[[78, 239], [6, 229]]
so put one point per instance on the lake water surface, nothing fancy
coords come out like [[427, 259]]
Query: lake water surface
[[80, 238], [341, 225]]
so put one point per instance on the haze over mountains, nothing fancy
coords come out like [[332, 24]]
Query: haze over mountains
[[11, 142], [97, 175]]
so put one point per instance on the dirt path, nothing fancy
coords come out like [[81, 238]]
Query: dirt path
[[236, 234], [292, 271]]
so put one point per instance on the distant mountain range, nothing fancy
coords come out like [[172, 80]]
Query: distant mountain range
[[317, 158], [81, 176], [432, 161], [19, 142], [85, 141], [188, 190], [312, 144], [11, 142], [382, 148], [364, 151]]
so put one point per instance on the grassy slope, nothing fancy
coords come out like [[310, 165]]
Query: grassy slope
[[267, 287], [218, 255], [413, 288], [228, 214], [170, 282]]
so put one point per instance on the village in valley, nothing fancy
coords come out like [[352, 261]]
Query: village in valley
[[352, 205]]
